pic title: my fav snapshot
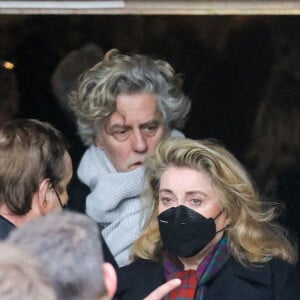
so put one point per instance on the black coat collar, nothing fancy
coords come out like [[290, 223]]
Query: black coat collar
[[257, 274]]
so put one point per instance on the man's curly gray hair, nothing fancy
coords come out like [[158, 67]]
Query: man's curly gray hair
[[95, 99]]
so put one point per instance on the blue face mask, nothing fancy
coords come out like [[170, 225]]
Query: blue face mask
[[184, 231]]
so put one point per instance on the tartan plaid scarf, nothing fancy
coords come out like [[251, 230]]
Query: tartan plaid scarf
[[194, 281]]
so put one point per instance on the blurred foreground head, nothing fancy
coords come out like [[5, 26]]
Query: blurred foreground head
[[67, 246], [21, 277]]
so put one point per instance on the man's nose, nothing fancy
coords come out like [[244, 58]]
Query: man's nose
[[139, 142]]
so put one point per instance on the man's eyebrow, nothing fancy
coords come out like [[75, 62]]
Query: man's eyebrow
[[119, 126], [151, 122], [125, 126]]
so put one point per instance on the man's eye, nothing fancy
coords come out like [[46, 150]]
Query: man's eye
[[150, 130], [121, 134]]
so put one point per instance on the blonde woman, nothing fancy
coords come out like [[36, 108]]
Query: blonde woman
[[209, 228]]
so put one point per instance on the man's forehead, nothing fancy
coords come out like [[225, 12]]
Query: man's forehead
[[119, 118]]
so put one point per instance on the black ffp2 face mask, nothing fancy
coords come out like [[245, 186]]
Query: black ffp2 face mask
[[185, 232]]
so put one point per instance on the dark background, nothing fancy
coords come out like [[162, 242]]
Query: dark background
[[226, 61]]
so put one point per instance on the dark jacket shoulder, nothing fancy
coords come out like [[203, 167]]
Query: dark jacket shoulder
[[268, 281], [5, 227], [138, 279], [77, 192]]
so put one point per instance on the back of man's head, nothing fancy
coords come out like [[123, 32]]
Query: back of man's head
[[67, 246], [21, 277], [30, 151], [70, 67]]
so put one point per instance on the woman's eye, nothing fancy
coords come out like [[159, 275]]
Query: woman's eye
[[165, 200], [196, 201]]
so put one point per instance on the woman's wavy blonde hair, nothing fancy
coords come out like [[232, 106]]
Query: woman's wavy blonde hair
[[253, 237]]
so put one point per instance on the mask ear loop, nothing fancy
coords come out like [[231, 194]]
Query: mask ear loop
[[223, 228], [219, 214]]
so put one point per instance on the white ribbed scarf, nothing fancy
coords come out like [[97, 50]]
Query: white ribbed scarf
[[114, 201]]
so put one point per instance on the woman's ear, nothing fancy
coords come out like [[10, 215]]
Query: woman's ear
[[42, 195], [110, 279], [227, 220]]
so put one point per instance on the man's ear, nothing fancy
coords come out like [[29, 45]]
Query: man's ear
[[167, 132], [98, 142], [110, 279], [42, 196]]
